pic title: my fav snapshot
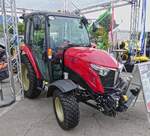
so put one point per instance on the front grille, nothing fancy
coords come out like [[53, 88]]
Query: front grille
[[108, 80]]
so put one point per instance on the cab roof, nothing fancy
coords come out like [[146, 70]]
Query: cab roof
[[25, 16]]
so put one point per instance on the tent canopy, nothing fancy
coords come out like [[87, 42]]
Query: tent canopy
[[122, 14]]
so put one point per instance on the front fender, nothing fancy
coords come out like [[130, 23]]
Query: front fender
[[64, 86], [27, 51]]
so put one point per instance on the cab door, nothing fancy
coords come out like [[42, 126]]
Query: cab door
[[38, 43]]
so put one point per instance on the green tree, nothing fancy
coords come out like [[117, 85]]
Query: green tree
[[21, 28]]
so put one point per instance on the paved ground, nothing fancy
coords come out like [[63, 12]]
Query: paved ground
[[36, 118]]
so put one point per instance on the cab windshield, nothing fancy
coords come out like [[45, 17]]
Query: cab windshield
[[67, 30]]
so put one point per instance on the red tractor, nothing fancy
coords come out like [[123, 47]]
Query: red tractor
[[57, 56]]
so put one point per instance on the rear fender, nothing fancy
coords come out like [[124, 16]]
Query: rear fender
[[63, 85], [27, 51]]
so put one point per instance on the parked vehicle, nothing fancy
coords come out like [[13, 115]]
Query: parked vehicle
[[58, 56]]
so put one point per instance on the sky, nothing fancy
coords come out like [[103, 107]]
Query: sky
[[122, 14], [54, 5]]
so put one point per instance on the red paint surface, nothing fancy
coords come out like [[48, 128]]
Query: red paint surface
[[79, 59], [25, 48]]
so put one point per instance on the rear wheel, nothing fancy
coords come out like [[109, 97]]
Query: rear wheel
[[66, 109], [29, 79]]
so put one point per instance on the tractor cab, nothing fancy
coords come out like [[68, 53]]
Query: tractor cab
[[50, 34]]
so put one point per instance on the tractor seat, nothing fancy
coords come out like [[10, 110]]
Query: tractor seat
[[3, 71]]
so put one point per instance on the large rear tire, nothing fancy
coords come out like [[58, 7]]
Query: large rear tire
[[66, 109], [29, 79]]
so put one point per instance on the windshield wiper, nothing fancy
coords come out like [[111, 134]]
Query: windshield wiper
[[73, 45], [79, 45], [70, 44]]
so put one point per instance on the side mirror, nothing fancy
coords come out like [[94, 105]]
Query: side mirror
[[22, 17], [94, 27], [37, 23], [84, 21]]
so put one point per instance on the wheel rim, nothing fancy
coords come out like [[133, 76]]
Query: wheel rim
[[59, 109], [25, 78]]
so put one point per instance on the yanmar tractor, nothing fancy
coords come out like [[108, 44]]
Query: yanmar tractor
[[57, 56]]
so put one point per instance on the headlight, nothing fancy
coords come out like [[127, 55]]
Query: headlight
[[101, 70]]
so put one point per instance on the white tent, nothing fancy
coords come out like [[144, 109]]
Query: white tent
[[122, 14]]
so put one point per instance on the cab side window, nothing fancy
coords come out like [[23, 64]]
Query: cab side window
[[27, 31], [37, 32]]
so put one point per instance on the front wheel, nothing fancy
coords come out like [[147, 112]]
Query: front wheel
[[66, 109]]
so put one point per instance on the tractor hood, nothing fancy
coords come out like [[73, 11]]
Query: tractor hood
[[91, 56]]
